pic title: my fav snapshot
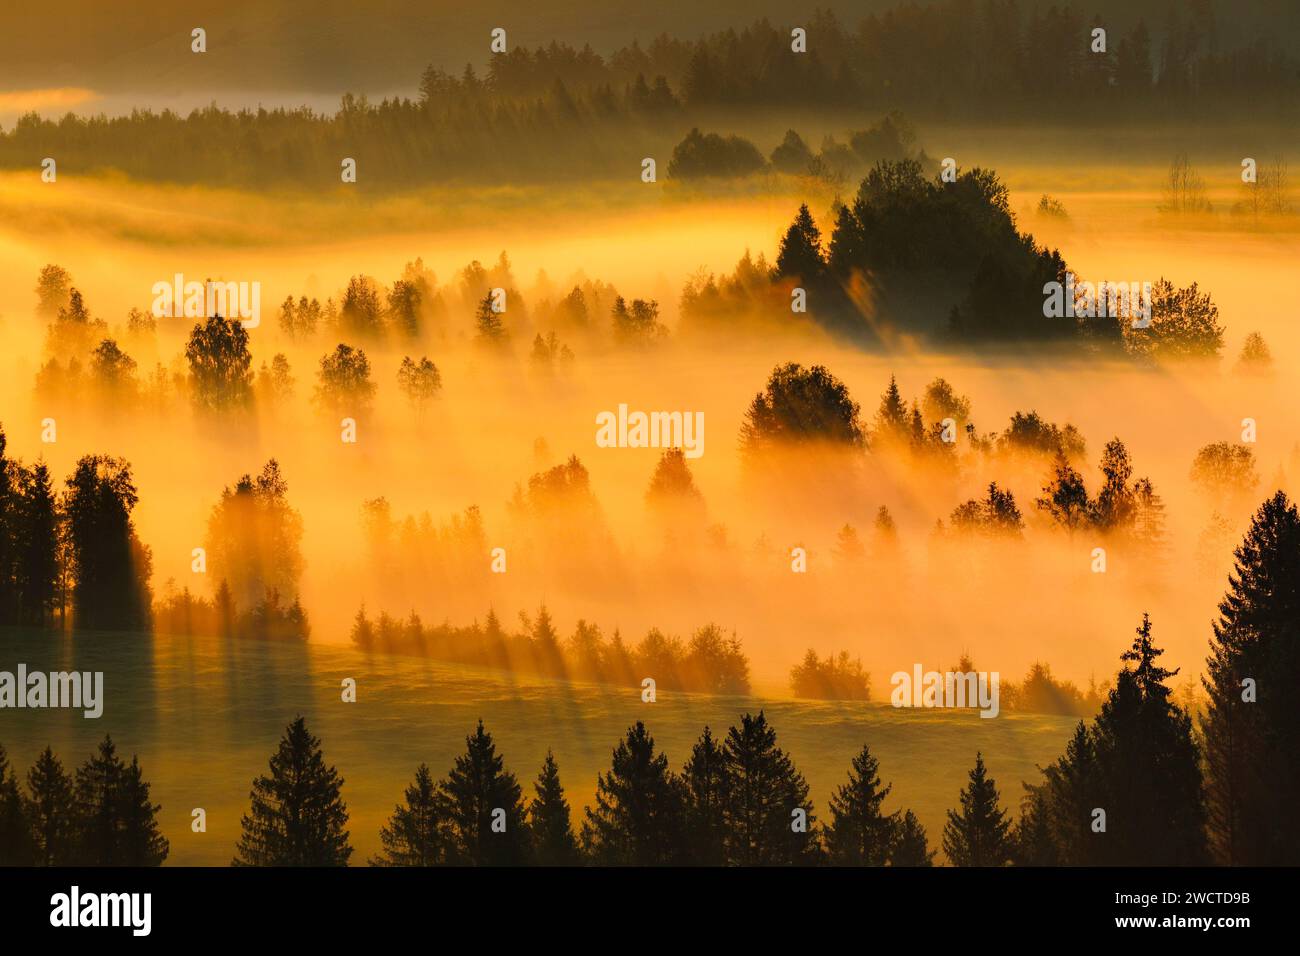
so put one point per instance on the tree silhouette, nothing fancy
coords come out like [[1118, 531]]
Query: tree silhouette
[[297, 817], [1149, 766], [51, 811], [343, 383], [705, 787], [221, 366], [799, 257], [911, 847], [1033, 842], [979, 834], [763, 794], [637, 820], [117, 825], [110, 566], [480, 796], [548, 819], [414, 835], [802, 406], [16, 847], [859, 834], [1252, 782]]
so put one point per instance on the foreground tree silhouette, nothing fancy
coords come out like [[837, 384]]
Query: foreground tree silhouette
[[859, 834], [549, 821], [118, 825], [1251, 739], [16, 847], [800, 254], [51, 812], [911, 848], [476, 789], [979, 834], [763, 794], [1073, 790], [705, 784], [1149, 767], [414, 834], [637, 819], [297, 816]]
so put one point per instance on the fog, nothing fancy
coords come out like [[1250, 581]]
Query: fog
[[1006, 604]]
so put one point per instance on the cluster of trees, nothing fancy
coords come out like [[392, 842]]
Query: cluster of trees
[[101, 816], [907, 247], [834, 677], [72, 553], [710, 155], [737, 801], [709, 661]]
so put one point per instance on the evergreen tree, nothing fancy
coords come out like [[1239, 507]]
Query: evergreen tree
[[764, 792], [1074, 791], [140, 841], [297, 817], [51, 812], [1253, 781], [800, 254], [548, 819], [705, 788], [475, 791], [911, 847], [978, 835], [859, 834], [637, 820], [37, 526], [891, 417], [414, 834], [16, 848], [1149, 767], [1033, 843]]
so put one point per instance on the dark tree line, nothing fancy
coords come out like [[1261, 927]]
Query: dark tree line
[[73, 553], [101, 816], [945, 58]]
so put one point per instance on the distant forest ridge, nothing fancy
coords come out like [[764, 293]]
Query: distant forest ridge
[[564, 110], [328, 45]]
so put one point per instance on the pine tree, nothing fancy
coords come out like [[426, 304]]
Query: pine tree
[[892, 420], [765, 792], [859, 834], [911, 847], [1252, 777], [414, 834], [140, 841], [1033, 843], [480, 796], [800, 255], [549, 821], [16, 847], [705, 786], [51, 811], [1074, 791], [98, 796], [38, 554], [1149, 767], [297, 817], [979, 834], [637, 820]]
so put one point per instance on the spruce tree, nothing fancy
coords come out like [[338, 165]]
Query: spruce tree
[[1149, 767], [38, 552], [51, 812], [479, 797], [98, 796], [979, 834], [637, 820], [764, 792], [414, 834], [1074, 791], [1252, 730], [297, 817], [859, 834], [911, 847], [704, 789], [1033, 843], [549, 820], [16, 848], [800, 255], [140, 841]]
